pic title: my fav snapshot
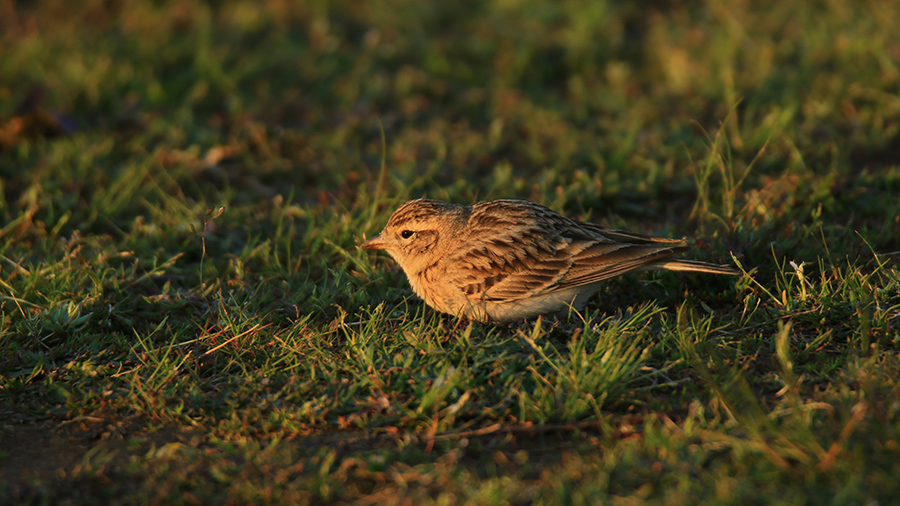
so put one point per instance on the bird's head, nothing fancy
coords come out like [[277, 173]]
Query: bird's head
[[414, 231]]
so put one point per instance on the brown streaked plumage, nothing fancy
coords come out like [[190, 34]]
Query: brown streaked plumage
[[504, 260]]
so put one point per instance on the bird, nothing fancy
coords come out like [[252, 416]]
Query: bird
[[502, 261]]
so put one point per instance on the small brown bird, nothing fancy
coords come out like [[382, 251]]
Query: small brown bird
[[505, 260]]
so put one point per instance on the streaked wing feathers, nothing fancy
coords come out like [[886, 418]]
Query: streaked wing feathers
[[604, 261], [541, 252], [507, 269], [627, 237]]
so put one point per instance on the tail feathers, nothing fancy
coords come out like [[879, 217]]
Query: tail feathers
[[694, 266]]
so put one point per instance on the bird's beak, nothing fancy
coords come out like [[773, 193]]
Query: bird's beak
[[376, 242]]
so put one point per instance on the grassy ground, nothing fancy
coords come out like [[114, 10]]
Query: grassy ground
[[185, 317]]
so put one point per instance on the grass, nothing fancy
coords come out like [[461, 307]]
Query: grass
[[185, 317]]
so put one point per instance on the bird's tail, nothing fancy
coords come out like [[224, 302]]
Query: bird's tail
[[694, 266]]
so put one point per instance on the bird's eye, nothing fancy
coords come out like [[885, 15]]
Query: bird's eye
[[406, 234]]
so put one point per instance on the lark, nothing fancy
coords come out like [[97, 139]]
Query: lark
[[506, 260]]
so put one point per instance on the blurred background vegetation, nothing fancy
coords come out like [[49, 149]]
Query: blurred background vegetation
[[614, 105]]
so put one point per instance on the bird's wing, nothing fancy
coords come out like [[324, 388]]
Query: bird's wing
[[624, 236], [510, 265], [599, 261], [600, 253], [507, 262]]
